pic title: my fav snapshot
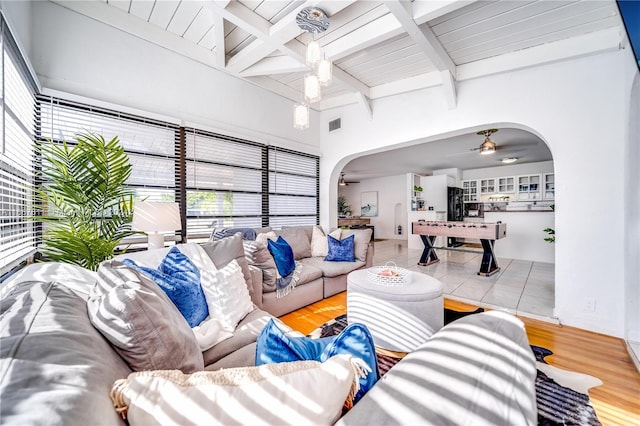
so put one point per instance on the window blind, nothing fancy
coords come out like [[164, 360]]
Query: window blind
[[224, 178], [18, 235], [151, 145], [293, 188]]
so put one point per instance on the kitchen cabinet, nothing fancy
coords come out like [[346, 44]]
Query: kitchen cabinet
[[470, 191], [549, 186], [529, 187], [506, 185], [487, 186]]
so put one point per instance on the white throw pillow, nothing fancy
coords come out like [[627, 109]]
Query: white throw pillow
[[319, 243], [226, 293], [294, 393]]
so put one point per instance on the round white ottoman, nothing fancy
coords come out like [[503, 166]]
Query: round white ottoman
[[399, 317]]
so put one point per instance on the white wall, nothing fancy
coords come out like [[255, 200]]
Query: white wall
[[78, 55], [391, 191], [632, 218], [574, 106]]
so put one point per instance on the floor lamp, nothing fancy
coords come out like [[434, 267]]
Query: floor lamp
[[154, 217]]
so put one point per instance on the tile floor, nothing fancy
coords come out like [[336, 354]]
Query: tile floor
[[522, 287]]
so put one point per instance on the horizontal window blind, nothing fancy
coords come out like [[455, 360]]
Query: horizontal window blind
[[151, 145], [18, 234], [223, 184], [293, 188]]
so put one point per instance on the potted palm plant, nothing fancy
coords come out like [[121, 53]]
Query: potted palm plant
[[83, 201]]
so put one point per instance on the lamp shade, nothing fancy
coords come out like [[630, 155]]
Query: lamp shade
[[300, 116], [313, 53], [312, 88], [325, 72], [155, 216]]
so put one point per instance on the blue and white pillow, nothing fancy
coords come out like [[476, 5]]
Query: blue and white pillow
[[179, 278], [341, 250]]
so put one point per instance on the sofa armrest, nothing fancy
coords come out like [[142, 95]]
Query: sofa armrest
[[476, 370], [256, 279]]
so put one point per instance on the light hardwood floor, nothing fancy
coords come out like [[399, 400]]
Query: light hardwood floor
[[617, 401]]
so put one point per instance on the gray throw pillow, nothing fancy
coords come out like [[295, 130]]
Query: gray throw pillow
[[299, 241], [141, 322], [361, 241], [257, 254], [223, 251]]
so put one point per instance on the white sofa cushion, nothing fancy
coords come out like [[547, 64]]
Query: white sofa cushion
[[294, 393]]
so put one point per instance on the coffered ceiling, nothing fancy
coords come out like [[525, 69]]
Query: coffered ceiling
[[378, 48]]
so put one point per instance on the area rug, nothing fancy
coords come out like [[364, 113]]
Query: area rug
[[561, 395]]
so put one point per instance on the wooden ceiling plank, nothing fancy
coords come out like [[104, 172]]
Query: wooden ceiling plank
[[588, 44], [142, 8], [537, 23], [422, 36], [410, 84], [200, 25], [121, 4], [208, 40], [133, 25], [535, 34], [163, 12], [183, 17]]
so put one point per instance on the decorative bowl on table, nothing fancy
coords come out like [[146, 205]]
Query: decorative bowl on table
[[389, 274]]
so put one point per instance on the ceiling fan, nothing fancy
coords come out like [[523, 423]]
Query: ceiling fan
[[489, 147], [343, 182]]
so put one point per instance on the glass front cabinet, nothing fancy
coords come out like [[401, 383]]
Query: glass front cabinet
[[506, 185], [529, 187], [470, 191], [487, 186], [549, 186]]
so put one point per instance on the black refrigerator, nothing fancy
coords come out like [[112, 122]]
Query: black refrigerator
[[455, 210]]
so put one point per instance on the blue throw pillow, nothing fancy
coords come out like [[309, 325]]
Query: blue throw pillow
[[283, 256], [179, 278], [274, 346], [340, 250]]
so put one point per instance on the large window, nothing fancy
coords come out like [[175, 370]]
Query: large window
[[17, 89], [219, 181]]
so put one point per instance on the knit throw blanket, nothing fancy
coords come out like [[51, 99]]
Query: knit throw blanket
[[284, 285]]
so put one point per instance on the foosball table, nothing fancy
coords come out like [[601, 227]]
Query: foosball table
[[486, 232]]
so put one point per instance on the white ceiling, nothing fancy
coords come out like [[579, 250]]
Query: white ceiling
[[378, 48]]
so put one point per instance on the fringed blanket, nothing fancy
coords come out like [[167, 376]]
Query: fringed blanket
[[284, 285]]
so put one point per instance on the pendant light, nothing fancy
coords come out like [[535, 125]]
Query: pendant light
[[313, 53], [301, 116], [325, 72], [312, 88], [312, 20]]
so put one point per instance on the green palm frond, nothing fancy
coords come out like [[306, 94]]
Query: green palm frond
[[84, 199]]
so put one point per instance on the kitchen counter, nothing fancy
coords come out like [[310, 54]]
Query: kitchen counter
[[525, 236]]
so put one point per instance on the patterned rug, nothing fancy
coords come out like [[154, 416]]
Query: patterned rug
[[557, 404]]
